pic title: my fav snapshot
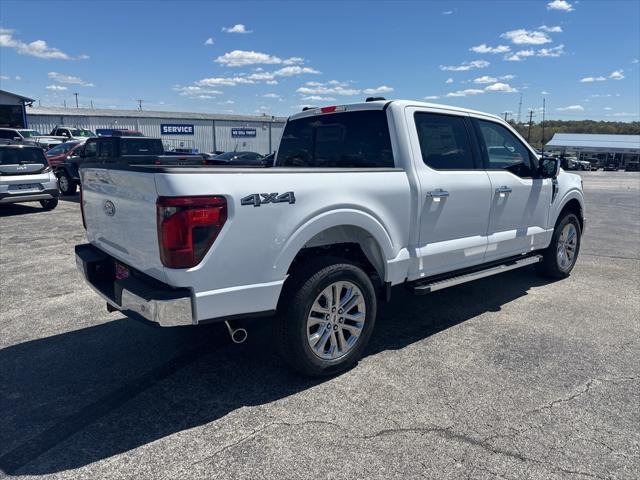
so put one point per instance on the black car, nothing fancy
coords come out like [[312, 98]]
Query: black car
[[237, 159]]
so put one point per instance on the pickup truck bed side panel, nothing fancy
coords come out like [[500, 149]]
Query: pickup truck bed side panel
[[246, 266]]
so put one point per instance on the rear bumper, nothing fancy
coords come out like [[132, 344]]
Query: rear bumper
[[136, 296], [29, 196]]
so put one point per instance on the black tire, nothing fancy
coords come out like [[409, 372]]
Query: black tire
[[300, 292], [550, 264], [49, 204], [66, 184]]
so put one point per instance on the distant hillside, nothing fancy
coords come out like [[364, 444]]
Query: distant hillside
[[575, 126]]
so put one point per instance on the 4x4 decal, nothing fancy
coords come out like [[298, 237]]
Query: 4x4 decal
[[257, 199]]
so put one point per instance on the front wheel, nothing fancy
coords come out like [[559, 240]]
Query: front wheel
[[66, 184], [561, 255], [326, 317], [49, 204]]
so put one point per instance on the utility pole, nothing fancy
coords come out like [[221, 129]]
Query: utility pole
[[530, 122], [139, 104], [64, 103], [505, 115], [76, 94], [544, 106], [91, 104], [520, 107]]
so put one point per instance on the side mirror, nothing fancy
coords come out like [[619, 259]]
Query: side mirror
[[549, 167]]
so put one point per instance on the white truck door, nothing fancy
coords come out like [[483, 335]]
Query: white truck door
[[455, 192], [520, 202]]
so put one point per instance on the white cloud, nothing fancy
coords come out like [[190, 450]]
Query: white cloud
[[318, 98], [465, 93], [226, 102], [592, 79], [194, 91], [241, 58], [601, 95], [37, 48], [5, 77], [223, 81], [68, 79], [571, 108], [607, 108], [380, 89], [271, 82], [296, 70], [635, 60], [465, 66], [617, 75], [483, 48], [485, 79], [448, 12], [18, 77], [520, 55], [561, 5], [237, 28], [332, 87], [551, 52], [500, 87], [544, 92], [209, 41], [521, 36], [507, 77], [56, 88], [432, 97], [449, 80], [556, 29], [271, 95]]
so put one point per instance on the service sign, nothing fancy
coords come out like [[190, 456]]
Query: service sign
[[243, 132], [176, 129]]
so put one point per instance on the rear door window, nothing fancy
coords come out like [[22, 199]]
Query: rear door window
[[444, 141], [339, 140]]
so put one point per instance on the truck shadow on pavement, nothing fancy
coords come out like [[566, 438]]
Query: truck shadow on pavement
[[13, 209], [73, 399]]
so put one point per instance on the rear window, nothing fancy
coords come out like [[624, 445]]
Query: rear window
[[339, 140], [16, 156], [142, 146]]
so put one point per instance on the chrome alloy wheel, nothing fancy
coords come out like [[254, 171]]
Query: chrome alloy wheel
[[567, 244], [63, 183], [336, 320]]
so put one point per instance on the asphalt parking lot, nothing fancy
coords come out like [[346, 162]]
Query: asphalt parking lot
[[507, 377]]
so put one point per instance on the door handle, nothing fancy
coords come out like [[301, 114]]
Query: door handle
[[503, 190], [438, 194]]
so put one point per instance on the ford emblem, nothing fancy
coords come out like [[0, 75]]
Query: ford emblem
[[109, 208]]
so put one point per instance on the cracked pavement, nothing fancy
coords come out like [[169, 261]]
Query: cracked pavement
[[508, 377]]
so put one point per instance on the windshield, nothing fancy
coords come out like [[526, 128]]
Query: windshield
[[30, 133], [141, 146], [357, 139], [81, 132], [17, 156]]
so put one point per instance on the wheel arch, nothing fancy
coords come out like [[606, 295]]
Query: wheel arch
[[339, 233], [572, 203]]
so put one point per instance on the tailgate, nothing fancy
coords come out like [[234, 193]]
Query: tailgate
[[120, 214]]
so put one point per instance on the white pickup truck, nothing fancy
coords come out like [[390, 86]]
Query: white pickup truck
[[360, 198]]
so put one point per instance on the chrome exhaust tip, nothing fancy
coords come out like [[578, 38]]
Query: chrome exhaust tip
[[238, 335]]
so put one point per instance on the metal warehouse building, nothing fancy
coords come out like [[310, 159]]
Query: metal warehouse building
[[620, 149], [203, 131]]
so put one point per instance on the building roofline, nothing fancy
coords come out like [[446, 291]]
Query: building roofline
[[21, 97]]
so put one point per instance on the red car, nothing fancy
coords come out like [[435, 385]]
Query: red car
[[59, 154]]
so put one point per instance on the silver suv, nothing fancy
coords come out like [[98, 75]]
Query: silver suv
[[25, 176]]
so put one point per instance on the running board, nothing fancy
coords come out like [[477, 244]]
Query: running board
[[424, 286]]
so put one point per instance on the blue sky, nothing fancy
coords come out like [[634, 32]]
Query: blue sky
[[275, 57]]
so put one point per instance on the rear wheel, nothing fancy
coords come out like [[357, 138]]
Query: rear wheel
[[326, 317], [66, 184], [560, 258], [49, 204]]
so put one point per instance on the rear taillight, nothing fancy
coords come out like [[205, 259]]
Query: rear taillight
[[187, 227], [84, 223]]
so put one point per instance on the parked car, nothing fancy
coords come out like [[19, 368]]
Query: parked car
[[136, 149], [118, 132], [30, 137], [361, 198], [25, 176], [584, 165], [632, 167], [611, 166], [60, 153], [72, 133]]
